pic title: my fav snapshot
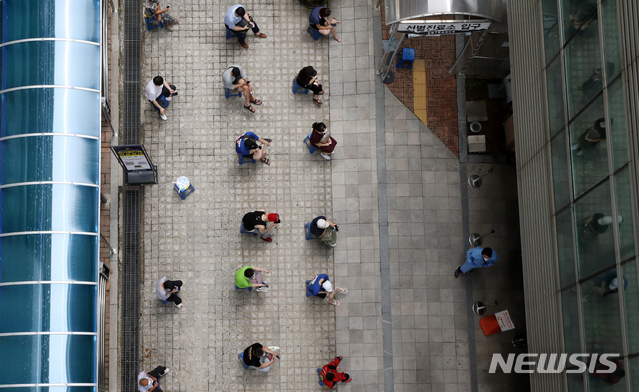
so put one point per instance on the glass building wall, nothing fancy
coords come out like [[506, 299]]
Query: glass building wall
[[592, 191], [49, 193]]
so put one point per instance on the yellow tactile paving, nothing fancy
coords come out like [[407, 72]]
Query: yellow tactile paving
[[420, 101]]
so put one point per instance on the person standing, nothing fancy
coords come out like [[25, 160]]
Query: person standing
[[321, 139], [307, 78], [150, 382], [325, 230], [235, 79], [477, 258], [319, 20], [159, 92], [331, 374], [167, 291], [257, 220], [239, 21]]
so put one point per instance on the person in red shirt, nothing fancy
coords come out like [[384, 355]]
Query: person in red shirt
[[331, 373]]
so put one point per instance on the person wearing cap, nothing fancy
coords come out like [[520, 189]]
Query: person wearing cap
[[325, 230], [319, 20], [331, 374], [251, 146], [322, 140], [477, 258], [257, 220], [167, 291], [159, 93], [259, 357], [150, 382], [234, 78], [239, 21], [307, 78], [597, 224], [591, 137], [321, 286], [247, 278]]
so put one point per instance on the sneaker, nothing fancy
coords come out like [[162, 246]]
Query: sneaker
[[180, 306], [267, 239], [334, 245], [349, 380], [165, 371], [325, 156], [575, 147], [168, 98], [164, 117], [458, 271]]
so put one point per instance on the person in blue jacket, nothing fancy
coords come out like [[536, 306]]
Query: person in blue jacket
[[251, 146], [477, 258]]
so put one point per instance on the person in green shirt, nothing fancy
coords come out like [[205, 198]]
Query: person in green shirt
[[248, 277]]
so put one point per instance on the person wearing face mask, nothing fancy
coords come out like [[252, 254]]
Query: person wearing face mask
[[249, 277], [477, 258], [591, 137]]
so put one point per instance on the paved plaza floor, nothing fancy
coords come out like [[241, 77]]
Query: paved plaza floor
[[392, 187]]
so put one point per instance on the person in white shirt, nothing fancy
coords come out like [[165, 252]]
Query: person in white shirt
[[150, 382], [167, 291], [235, 79], [159, 92], [239, 21]]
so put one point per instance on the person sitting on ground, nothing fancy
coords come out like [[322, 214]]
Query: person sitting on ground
[[150, 382], [321, 139], [259, 357], [256, 220], [591, 137], [159, 92], [325, 230], [167, 291], [307, 78], [235, 79], [239, 21], [250, 277], [331, 373], [319, 20], [320, 286], [251, 146], [154, 11]]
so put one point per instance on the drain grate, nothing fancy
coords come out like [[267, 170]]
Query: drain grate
[[130, 290], [131, 199]]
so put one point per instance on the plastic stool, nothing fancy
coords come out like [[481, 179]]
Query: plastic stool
[[319, 374], [241, 358], [150, 27], [229, 34], [297, 89], [405, 58], [307, 231], [183, 194], [489, 325], [165, 302], [227, 93], [245, 160], [314, 33], [244, 231], [307, 141]]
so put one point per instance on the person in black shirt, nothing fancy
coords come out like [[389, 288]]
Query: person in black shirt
[[325, 230], [258, 220], [259, 357], [307, 78], [591, 137]]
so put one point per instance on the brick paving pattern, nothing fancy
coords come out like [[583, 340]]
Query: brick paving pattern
[[439, 54]]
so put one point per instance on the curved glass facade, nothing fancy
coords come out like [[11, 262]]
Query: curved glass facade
[[49, 194]]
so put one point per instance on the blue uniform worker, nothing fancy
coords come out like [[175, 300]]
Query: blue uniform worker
[[477, 258]]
